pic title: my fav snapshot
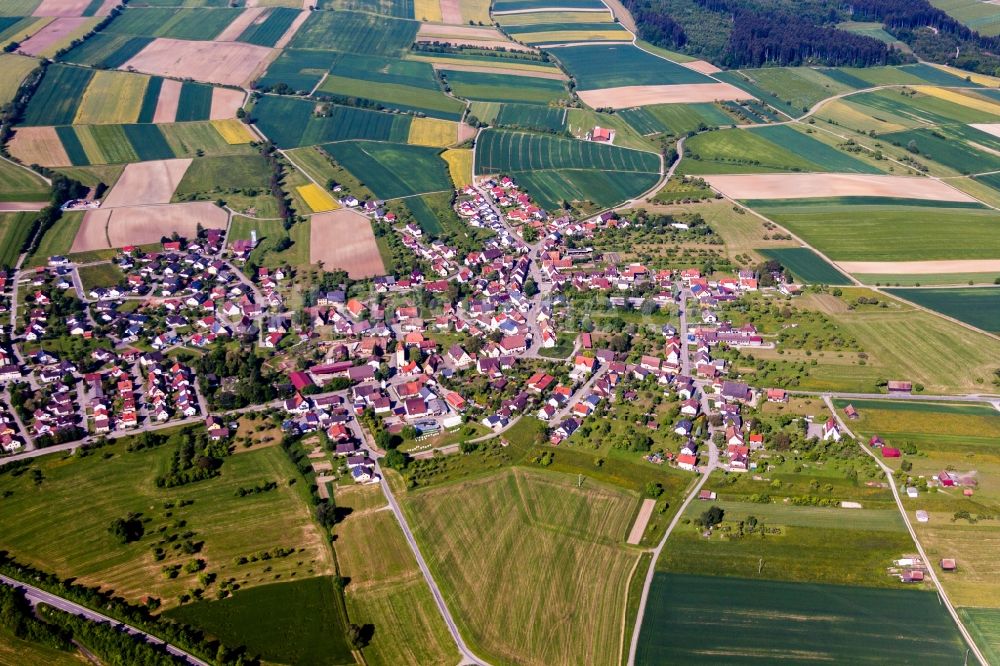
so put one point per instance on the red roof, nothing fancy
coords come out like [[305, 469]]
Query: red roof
[[300, 380], [890, 452]]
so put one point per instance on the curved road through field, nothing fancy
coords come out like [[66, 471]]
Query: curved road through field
[[468, 657], [942, 595], [36, 596]]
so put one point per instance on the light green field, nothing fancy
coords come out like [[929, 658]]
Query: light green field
[[386, 587], [17, 652], [112, 97], [52, 528], [892, 233], [101, 275], [58, 239], [13, 69], [14, 230], [903, 342], [867, 542], [516, 555], [20, 184]]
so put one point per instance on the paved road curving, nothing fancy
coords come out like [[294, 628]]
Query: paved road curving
[[36, 596]]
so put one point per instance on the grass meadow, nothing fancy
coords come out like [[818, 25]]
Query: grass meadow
[[806, 265], [14, 230], [62, 524], [385, 585], [20, 184], [296, 622], [517, 558]]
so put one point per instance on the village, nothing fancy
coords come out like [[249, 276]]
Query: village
[[460, 350]]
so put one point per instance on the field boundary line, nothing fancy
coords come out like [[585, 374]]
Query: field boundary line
[[942, 594], [633, 648]]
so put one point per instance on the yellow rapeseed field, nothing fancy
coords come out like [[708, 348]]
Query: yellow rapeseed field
[[317, 198], [432, 132], [958, 98], [112, 98], [427, 10], [459, 166], [233, 131]]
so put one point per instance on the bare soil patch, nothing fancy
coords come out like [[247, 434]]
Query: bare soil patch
[[343, 239], [226, 63], [557, 75], [942, 267], [629, 96], [225, 101], [143, 225], [145, 183], [639, 527], [240, 23], [815, 185], [38, 145], [451, 12], [61, 8], [51, 34], [19, 206], [465, 132], [292, 29], [989, 128], [702, 66], [166, 103]]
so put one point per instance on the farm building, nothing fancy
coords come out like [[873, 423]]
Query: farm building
[[890, 452], [896, 386], [948, 564], [851, 412]]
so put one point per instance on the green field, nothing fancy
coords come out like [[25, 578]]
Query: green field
[[674, 118], [983, 17], [56, 100], [14, 230], [386, 587], [693, 619], [393, 171], [291, 123], [531, 116], [57, 240], [355, 32], [979, 307], [500, 151], [20, 184], [193, 23], [482, 86], [984, 625], [13, 70], [107, 50], [101, 275], [892, 233], [399, 84], [195, 102], [553, 169], [49, 526], [790, 89], [395, 8], [271, 29], [766, 149], [516, 554], [298, 622], [298, 69], [611, 66], [951, 147], [219, 174], [806, 265]]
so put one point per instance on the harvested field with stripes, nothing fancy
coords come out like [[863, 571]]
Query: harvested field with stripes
[[629, 96]]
